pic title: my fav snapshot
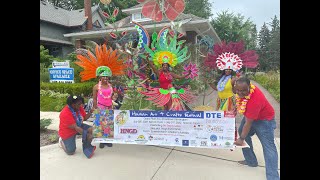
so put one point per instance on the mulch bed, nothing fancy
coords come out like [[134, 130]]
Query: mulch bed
[[44, 137]]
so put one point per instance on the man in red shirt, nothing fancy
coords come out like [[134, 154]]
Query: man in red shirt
[[71, 124], [258, 119]]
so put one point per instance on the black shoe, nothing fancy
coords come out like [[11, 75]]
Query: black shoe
[[101, 145], [244, 163], [109, 144]]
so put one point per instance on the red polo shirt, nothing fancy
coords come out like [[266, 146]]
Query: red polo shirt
[[258, 107], [67, 119]]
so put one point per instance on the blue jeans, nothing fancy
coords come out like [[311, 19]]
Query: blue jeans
[[265, 132], [70, 143]]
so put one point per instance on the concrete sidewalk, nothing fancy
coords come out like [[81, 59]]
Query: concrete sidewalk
[[141, 162]]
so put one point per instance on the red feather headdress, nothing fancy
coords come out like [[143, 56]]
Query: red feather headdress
[[231, 56]]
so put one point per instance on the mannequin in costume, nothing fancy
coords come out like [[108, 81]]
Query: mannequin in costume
[[227, 58], [103, 64], [102, 92], [226, 98], [165, 79], [161, 58]]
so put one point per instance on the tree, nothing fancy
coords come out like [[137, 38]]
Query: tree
[[264, 40], [79, 4], [71, 4], [274, 45], [200, 8], [45, 58], [254, 38], [231, 27], [275, 25]]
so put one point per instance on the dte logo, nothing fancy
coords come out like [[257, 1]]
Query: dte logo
[[185, 142], [213, 138], [213, 115]]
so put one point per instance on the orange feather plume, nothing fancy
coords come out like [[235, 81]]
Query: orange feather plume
[[103, 57]]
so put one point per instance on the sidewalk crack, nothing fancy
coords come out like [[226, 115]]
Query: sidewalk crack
[[162, 164]]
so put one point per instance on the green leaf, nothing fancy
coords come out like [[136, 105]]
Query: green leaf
[[181, 42]]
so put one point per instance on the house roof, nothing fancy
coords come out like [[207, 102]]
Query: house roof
[[53, 14], [136, 6], [200, 25], [181, 16], [59, 41], [133, 8]]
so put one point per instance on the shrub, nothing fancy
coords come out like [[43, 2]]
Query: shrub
[[53, 94], [270, 81], [84, 88], [53, 138], [44, 73], [52, 103], [44, 123], [45, 58]]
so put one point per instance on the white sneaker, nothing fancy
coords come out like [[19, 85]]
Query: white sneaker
[[60, 141]]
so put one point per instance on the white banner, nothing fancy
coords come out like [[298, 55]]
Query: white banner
[[203, 129], [56, 64]]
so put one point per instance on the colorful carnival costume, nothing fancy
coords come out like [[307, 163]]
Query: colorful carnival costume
[[172, 54], [226, 99], [105, 62], [229, 56]]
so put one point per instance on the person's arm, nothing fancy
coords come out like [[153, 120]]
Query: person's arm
[[179, 76], [80, 130], [77, 128], [233, 82], [94, 96], [84, 114], [246, 128], [88, 115], [213, 86], [154, 69]]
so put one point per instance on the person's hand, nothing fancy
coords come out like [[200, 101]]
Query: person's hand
[[93, 110], [239, 142], [235, 111], [89, 137]]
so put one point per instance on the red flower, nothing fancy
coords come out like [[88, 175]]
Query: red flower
[[171, 33], [124, 33], [113, 35], [115, 12], [190, 69], [180, 35], [106, 14]]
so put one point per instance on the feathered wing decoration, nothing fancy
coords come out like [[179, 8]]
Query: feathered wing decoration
[[232, 54], [161, 97], [158, 96], [171, 54], [102, 57]]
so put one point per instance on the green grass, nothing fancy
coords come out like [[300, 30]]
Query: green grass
[[270, 81]]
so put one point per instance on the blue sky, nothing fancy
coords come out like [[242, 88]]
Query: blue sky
[[259, 11]]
